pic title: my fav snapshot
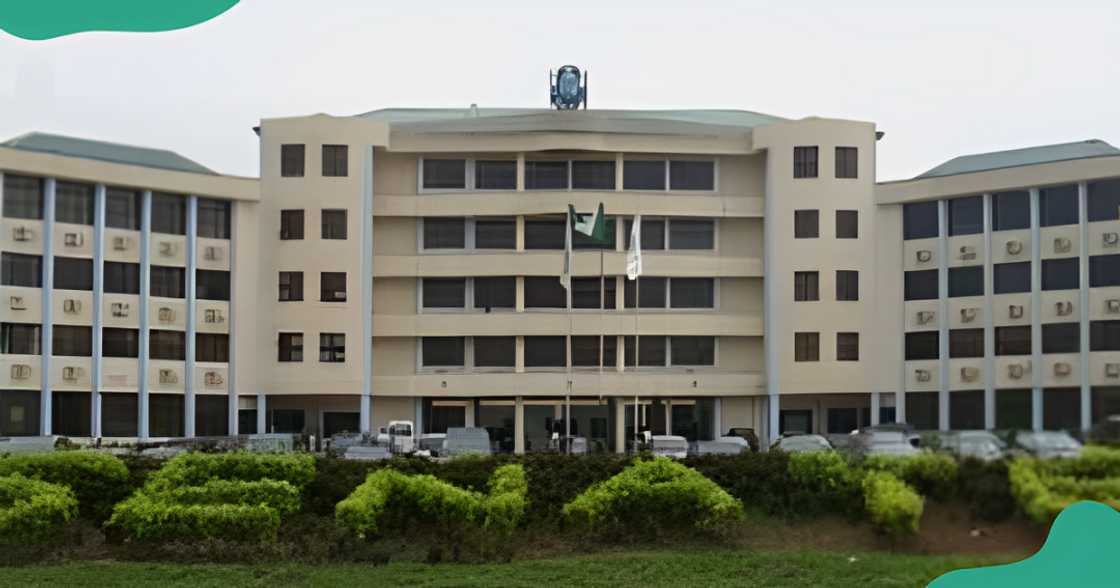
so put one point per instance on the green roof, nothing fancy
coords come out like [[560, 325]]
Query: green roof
[[980, 162], [527, 119], [104, 151]]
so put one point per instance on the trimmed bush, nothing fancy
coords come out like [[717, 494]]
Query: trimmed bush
[[932, 474], [1043, 489], [653, 494], [983, 486], [99, 480], [31, 510], [504, 507], [193, 469], [826, 479], [893, 506]]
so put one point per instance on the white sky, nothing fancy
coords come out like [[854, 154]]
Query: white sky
[[940, 78]]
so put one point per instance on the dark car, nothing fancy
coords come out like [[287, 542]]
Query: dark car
[[745, 433]]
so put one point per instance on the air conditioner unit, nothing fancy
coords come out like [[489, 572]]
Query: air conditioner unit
[[1112, 305], [1014, 247], [166, 315], [167, 376], [968, 252], [168, 249], [1062, 245], [922, 375], [214, 379], [71, 306], [119, 309], [1015, 371], [968, 315], [1063, 308], [1111, 239], [1062, 369], [212, 253], [925, 317], [924, 255], [1015, 311], [73, 239], [969, 374], [21, 371], [72, 374], [214, 315], [1112, 370], [22, 234], [16, 303], [122, 243]]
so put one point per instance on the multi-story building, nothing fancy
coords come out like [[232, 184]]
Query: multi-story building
[[421, 250]]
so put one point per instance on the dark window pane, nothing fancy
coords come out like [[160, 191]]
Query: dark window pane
[[806, 224], [653, 234], [545, 352], [332, 287], [847, 224], [21, 270], [71, 273], [122, 278], [585, 351], [847, 346], [495, 351], [922, 345], [445, 174], [335, 160], [1061, 338], [1013, 340], [692, 351], [211, 347], [805, 162], [692, 175], [332, 347], [291, 161], [73, 203], [545, 292], [1104, 200], [587, 292], [1011, 210], [966, 216], [1061, 409], [167, 282], [966, 281], [847, 162], [211, 415], [497, 233], [70, 413], [651, 351], [806, 346], [651, 292], [445, 233], [495, 175], [692, 293], [120, 414], [1104, 270], [966, 343], [691, 234], [211, 285], [544, 234], [23, 198], [966, 410], [165, 418], [921, 285], [806, 286], [122, 209], [213, 218], [593, 175], [546, 175], [643, 175], [19, 412], [1012, 277], [495, 292], [20, 339], [120, 342], [1058, 206], [1104, 336], [847, 285], [291, 286], [170, 345], [919, 220], [291, 224], [1060, 274], [922, 410], [334, 223], [288, 420], [1013, 409], [169, 214], [291, 347], [1105, 402]]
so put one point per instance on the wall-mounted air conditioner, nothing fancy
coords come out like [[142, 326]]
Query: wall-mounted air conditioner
[[214, 379], [925, 317], [1015, 311], [166, 315], [1112, 370], [121, 243], [924, 255], [1062, 368], [1111, 239], [968, 252], [72, 374], [968, 315], [22, 234], [1063, 308], [970, 374], [214, 315], [71, 306], [1112, 305], [16, 303], [1062, 245], [167, 376], [168, 249], [73, 239], [212, 253], [119, 309], [922, 375], [1015, 371], [21, 371], [1014, 247]]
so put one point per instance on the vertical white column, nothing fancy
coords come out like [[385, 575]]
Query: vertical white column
[[771, 339], [98, 290], [365, 340], [619, 425], [145, 293], [1036, 313], [1083, 283], [518, 426], [874, 412], [943, 314], [717, 417], [262, 413], [189, 410], [231, 370], [989, 321], [46, 346]]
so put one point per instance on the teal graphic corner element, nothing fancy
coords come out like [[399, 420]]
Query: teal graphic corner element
[[1079, 551], [37, 20]]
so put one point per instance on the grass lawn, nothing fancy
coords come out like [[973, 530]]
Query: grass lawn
[[645, 568]]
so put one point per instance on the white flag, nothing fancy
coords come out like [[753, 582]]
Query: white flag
[[634, 255], [566, 273]]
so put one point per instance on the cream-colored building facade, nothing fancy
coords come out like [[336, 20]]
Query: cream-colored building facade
[[404, 264]]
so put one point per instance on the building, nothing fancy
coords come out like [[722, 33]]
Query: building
[[420, 249]]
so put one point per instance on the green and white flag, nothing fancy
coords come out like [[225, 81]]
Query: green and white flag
[[593, 225], [634, 255]]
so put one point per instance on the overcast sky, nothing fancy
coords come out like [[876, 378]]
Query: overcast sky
[[941, 79]]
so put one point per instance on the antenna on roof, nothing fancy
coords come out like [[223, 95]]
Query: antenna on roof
[[474, 110]]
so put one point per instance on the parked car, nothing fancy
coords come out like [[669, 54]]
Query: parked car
[[1047, 444], [745, 433], [466, 440], [669, 446], [721, 446], [1107, 431], [906, 429], [432, 443], [802, 443], [883, 442], [982, 445]]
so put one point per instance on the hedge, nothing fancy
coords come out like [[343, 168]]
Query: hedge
[[932, 474], [893, 506], [1042, 493], [99, 480], [827, 480], [32, 510]]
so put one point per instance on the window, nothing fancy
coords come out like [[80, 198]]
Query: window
[[1061, 409], [445, 293], [495, 233], [923, 410], [495, 175], [847, 162], [122, 209], [70, 414], [546, 175], [445, 233], [691, 234], [291, 347], [167, 282], [587, 293], [921, 285], [495, 292], [966, 216], [120, 342], [649, 290], [922, 345], [585, 351], [1013, 340], [334, 223], [806, 286], [444, 174], [73, 203], [1061, 338], [692, 293], [692, 175], [544, 234], [966, 410], [643, 175], [806, 224], [1011, 210], [1104, 270], [1104, 200], [847, 346], [335, 158], [211, 415], [211, 285], [966, 281], [1104, 336], [966, 343], [20, 339], [332, 347], [593, 175], [652, 351], [170, 345], [692, 351], [213, 218], [1012, 277], [1058, 206], [23, 197], [21, 270], [72, 273], [165, 417], [495, 352], [211, 347], [847, 285], [1060, 274], [653, 234], [121, 278], [545, 292], [545, 352], [291, 225], [120, 414], [332, 287], [806, 346], [291, 161], [847, 224], [919, 220], [291, 286], [169, 214], [805, 162]]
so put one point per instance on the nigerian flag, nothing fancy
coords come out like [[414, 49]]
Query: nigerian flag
[[592, 225]]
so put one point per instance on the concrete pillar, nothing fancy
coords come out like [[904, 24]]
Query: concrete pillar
[[943, 314], [365, 332], [262, 413], [989, 321], [874, 409], [1085, 370], [619, 425], [47, 329], [1036, 313], [98, 287], [518, 426], [717, 417], [145, 289], [192, 267]]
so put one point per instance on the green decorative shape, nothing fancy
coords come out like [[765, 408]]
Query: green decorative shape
[[37, 20], [1078, 552]]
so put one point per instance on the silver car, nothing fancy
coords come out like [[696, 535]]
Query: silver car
[[883, 443], [802, 444], [1048, 444], [982, 445]]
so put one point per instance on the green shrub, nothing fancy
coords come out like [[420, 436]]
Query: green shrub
[[193, 468], [893, 506], [504, 505], [32, 510], [1094, 462], [152, 517], [932, 474], [1042, 493], [983, 486], [827, 478], [652, 494], [99, 480], [1031, 492], [760, 481]]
